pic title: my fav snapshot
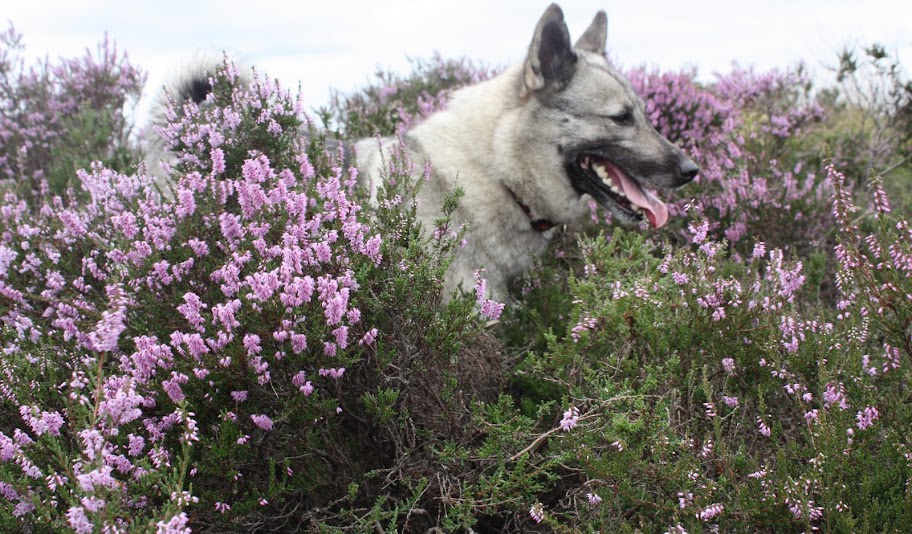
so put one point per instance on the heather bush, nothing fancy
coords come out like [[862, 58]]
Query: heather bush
[[394, 103], [204, 351], [250, 345], [56, 118]]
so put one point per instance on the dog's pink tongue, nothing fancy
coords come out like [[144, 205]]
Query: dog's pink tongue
[[655, 208]]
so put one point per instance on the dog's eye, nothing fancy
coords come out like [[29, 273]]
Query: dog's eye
[[624, 118]]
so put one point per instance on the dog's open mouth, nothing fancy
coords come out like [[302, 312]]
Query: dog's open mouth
[[620, 193]]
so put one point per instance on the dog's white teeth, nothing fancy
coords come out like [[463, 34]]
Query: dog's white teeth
[[635, 208], [615, 189], [601, 172]]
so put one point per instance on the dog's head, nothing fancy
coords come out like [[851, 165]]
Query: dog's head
[[588, 118]]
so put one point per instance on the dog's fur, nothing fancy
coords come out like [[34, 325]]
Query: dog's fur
[[531, 147]]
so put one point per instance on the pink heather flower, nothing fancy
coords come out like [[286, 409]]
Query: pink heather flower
[[491, 309], [537, 512], [172, 386], [684, 500], [341, 335], [222, 507], [710, 512], [200, 248], [53, 482], [881, 201], [107, 332], [594, 499], [300, 381], [835, 395], [78, 521], [121, 402], [698, 232], [332, 373], [93, 504], [759, 250], [190, 309], [44, 422], [369, 337], [867, 417], [136, 445], [731, 402], [585, 323], [231, 227], [239, 396], [100, 477], [176, 525], [23, 508], [481, 286], [707, 448], [571, 418], [710, 409], [218, 160], [252, 344], [729, 365], [298, 343], [262, 421], [680, 278], [186, 203], [764, 429]]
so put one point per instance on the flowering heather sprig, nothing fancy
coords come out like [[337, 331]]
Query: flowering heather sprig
[[537, 512], [488, 308], [570, 419], [710, 512], [867, 417], [763, 428]]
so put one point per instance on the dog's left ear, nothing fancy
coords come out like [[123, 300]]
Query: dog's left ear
[[594, 38], [551, 61]]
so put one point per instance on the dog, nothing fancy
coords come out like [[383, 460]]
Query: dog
[[531, 148]]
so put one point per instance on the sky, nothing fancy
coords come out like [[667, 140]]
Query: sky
[[339, 44]]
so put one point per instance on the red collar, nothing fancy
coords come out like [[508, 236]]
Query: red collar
[[539, 225]]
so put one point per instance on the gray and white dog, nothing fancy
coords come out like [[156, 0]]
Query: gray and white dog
[[530, 148]]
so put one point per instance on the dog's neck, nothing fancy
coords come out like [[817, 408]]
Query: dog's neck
[[537, 224]]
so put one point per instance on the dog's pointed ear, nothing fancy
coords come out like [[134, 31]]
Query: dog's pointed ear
[[594, 38], [551, 59]]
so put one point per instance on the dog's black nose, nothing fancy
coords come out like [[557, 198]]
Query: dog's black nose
[[688, 170]]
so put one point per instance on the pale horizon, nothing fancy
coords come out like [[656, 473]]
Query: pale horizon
[[340, 45]]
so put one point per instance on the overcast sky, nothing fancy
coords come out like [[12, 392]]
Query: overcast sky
[[340, 43]]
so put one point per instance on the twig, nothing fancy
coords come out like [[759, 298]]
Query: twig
[[538, 441]]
